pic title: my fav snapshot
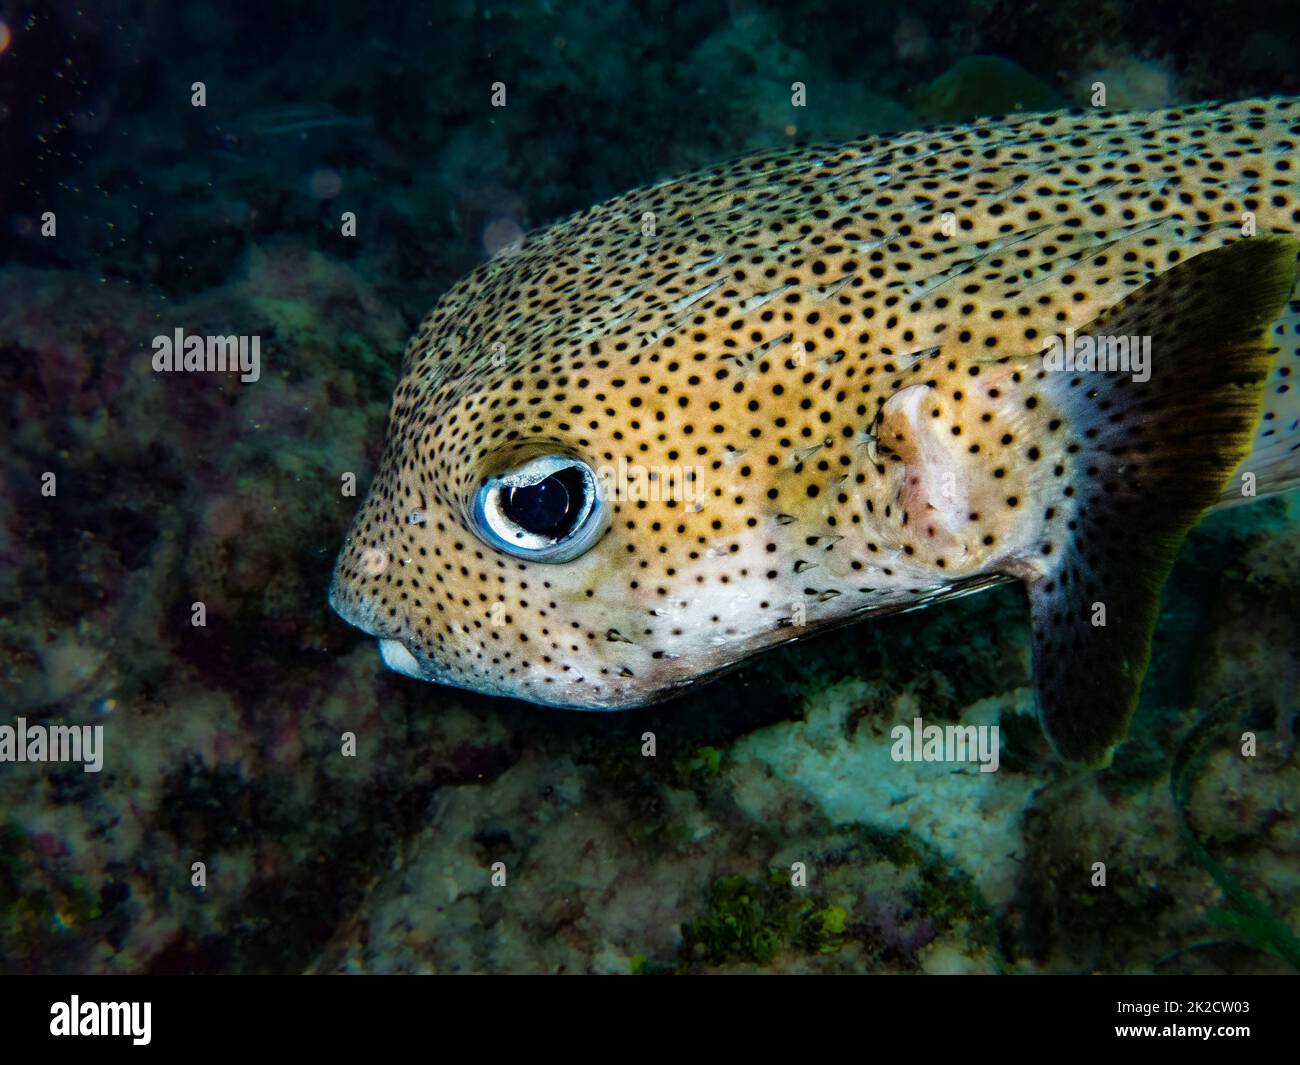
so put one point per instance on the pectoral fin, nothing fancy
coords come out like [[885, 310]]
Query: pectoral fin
[[1149, 457]]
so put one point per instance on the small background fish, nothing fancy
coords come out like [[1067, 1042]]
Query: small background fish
[[318, 133]]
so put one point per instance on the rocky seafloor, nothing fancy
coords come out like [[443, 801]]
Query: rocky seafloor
[[224, 741]]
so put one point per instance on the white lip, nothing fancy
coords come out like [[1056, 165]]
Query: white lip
[[397, 658]]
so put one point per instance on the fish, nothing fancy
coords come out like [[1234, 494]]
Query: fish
[[820, 384], [311, 133]]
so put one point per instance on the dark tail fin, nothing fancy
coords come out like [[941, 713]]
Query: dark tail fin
[[1149, 458]]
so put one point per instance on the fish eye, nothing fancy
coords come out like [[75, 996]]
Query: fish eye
[[548, 510]]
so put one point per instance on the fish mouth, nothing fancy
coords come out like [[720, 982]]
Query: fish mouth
[[360, 612], [397, 658]]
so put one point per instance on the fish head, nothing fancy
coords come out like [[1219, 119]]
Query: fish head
[[619, 464], [598, 523]]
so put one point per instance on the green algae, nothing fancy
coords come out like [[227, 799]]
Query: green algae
[[704, 761], [754, 920], [745, 921]]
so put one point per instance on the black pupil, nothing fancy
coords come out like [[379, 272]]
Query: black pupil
[[550, 507]]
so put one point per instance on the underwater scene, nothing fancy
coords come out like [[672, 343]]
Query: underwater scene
[[649, 487]]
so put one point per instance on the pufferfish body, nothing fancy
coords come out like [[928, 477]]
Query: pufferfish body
[[810, 386]]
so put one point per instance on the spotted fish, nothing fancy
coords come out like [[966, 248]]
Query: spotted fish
[[820, 384]]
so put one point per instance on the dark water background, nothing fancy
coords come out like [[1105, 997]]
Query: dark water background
[[223, 740]]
